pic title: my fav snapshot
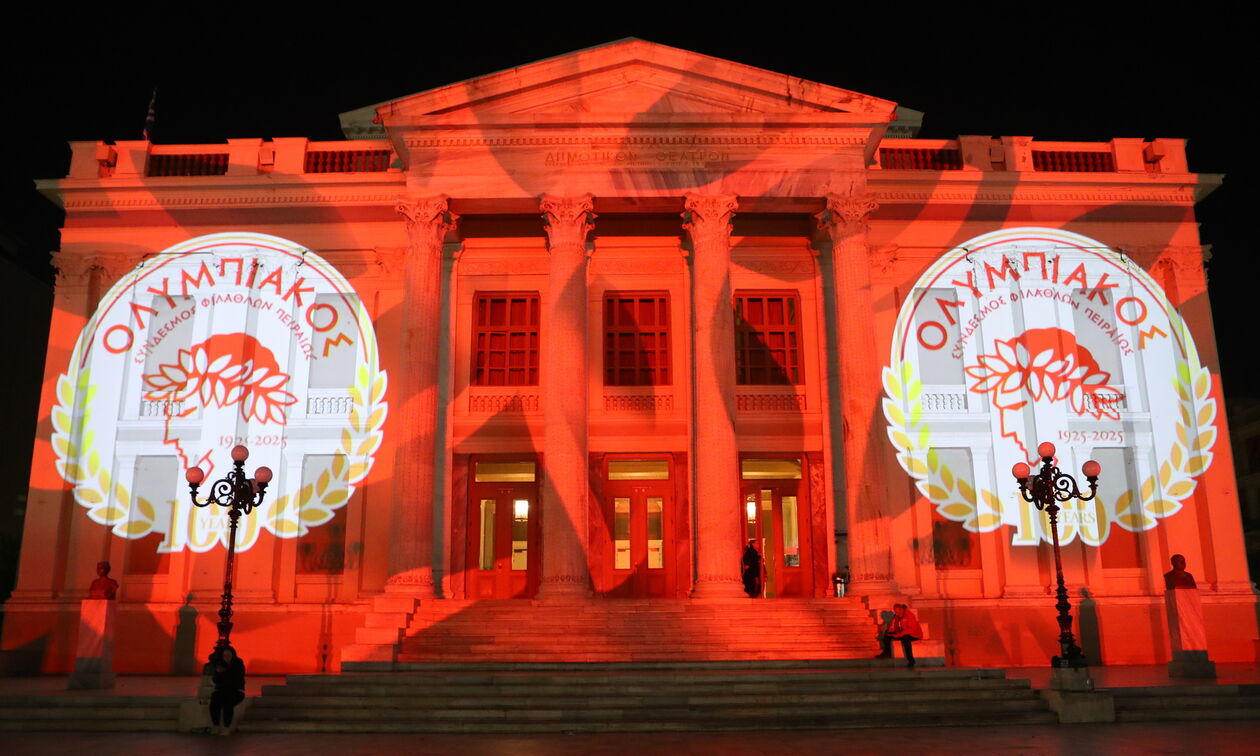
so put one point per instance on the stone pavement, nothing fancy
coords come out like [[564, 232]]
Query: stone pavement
[[1217, 738]]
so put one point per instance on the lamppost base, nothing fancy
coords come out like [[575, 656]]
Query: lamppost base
[[1071, 678]]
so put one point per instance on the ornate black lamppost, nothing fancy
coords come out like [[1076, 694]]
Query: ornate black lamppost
[[1045, 491], [239, 495]]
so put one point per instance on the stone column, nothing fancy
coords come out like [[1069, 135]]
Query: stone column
[[870, 561], [428, 221], [718, 538], [565, 489]]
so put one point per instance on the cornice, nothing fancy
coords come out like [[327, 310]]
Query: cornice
[[106, 198], [1025, 194], [617, 139]]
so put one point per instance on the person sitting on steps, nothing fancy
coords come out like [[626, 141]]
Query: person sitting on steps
[[904, 627], [229, 689]]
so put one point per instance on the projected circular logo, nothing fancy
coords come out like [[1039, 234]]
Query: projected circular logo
[[224, 339], [1034, 334]]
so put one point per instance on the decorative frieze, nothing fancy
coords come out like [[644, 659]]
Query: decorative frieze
[[638, 403], [484, 404], [770, 402]]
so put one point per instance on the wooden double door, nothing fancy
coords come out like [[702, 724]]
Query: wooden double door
[[503, 555], [636, 546], [640, 518], [776, 518]]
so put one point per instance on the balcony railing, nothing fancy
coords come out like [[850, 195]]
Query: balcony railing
[[920, 159], [1075, 161], [983, 153], [239, 157], [194, 164], [347, 161], [296, 156]]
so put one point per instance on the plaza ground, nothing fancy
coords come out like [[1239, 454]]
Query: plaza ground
[[1223, 738]]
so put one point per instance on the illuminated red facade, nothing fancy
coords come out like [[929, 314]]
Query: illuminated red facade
[[578, 331]]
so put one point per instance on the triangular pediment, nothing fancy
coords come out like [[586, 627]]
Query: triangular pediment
[[629, 77]]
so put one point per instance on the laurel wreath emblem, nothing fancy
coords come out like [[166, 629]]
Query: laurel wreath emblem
[[954, 496], [101, 490], [107, 502], [316, 503], [1161, 495], [110, 503], [979, 510]]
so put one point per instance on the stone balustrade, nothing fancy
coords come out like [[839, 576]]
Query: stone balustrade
[[983, 153], [242, 157], [238, 157]]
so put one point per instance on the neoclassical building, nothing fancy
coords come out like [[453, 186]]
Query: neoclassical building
[[535, 356]]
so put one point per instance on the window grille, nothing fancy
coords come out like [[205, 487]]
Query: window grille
[[636, 339], [505, 340], [767, 338]]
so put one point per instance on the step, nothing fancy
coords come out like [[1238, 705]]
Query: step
[[642, 700], [892, 705], [93, 725], [1187, 715], [614, 672], [708, 725], [1205, 689], [378, 693], [1186, 702], [808, 666], [73, 713]]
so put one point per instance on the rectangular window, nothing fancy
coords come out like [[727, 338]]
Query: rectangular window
[[636, 339], [505, 339], [767, 338]]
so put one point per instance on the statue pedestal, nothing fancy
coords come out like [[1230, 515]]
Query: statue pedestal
[[1071, 678], [94, 662], [1188, 634]]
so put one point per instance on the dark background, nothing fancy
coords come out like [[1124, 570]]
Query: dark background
[[1073, 73]]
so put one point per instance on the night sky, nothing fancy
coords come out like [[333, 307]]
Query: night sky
[[222, 71]]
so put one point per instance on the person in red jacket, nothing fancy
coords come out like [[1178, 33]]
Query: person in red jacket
[[903, 627]]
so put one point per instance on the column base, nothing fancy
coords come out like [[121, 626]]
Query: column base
[[724, 589], [878, 594], [416, 582], [1191, 664], [564, 588], [92, 674]]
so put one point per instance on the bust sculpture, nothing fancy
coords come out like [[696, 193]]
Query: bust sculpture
[[103, 587], [1177, 577]]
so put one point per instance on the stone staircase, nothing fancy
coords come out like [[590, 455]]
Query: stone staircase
[[68, 713], [1183, 703], [643, 697], [611, 630]]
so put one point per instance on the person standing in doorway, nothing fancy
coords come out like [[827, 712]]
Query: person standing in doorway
[[752, 570]]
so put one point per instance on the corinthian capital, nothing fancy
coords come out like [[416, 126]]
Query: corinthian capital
[[428, 219], [845, 215], [71, 268], [567, 219], [707, 218], [108, 267]]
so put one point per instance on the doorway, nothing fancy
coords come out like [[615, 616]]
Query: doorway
[[775, 517], [639, 512], [503, 555]]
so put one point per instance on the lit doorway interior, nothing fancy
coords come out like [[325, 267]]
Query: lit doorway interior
[[775, 515]]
